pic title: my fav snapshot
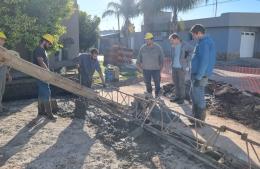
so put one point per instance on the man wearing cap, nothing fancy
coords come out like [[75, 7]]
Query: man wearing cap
[[150, 62], [181, 55], [40, 58], [202, 65], [4, 74]]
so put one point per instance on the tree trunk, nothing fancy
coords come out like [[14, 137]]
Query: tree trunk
[[175, 20], [127, 23], [118, 24]]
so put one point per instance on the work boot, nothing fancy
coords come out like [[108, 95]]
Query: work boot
[[48, 111], [201, 115], [54, 106], [1, 111], [157, 94], [148, 95], [180, 101], [194, 110], [174, 99], [41, 110]]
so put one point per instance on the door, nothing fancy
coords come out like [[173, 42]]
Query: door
[[247, 44]]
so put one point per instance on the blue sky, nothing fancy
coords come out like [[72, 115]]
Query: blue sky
[[97, 7]]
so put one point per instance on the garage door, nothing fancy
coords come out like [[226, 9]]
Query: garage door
[[247, 44]]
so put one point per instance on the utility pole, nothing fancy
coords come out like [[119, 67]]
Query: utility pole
[[216, 8]]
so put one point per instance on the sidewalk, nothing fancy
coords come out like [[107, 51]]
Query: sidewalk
[[242, 78], [241, 81]]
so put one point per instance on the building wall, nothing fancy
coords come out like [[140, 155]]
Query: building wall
[[228, 20], [234, 40], [71, 38], [227, 40], [257, 44], [226, 32], [233, 46]]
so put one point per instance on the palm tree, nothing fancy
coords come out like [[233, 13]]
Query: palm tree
[[125, 8], [179, 6], [151, 7]]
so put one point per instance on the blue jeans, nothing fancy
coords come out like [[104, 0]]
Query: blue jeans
[[198, 93], [156, 75], [44, 91]]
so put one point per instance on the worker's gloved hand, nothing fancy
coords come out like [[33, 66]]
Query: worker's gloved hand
[[196, 83]]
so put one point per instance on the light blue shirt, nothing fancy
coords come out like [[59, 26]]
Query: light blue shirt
[[176, 57]]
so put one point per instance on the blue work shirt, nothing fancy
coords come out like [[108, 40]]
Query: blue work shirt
[[176, 57], [204, 58], [88, 65]]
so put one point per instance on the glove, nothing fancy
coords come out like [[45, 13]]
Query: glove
[[196, 83]]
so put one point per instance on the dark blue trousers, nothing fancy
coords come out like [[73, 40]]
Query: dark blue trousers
[[148, 75]]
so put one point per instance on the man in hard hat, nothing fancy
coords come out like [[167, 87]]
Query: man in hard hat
[[4, 74], [40, 58], [202, 65], [150, 62]]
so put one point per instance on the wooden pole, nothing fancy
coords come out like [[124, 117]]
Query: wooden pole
[[42, 74]]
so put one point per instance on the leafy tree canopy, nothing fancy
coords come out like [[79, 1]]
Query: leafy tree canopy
[[25, 21], [88, 30]]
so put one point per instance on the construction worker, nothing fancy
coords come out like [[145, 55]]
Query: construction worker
[[88, 64], [181, 53], [150, 62], [202, 65], [40, 58], [4, 75]]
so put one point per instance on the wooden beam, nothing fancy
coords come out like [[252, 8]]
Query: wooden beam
[[42, 74]]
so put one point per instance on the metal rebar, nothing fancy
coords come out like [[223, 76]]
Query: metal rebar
[[117, 96], [187, 116], [255, 151], [248, 155], [148, 113], [197, 139]]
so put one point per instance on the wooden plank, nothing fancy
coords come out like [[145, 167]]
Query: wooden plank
[[45, 75]]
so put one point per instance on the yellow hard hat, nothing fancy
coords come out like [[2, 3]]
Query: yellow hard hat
[[148, 35], [2, 35], [49, 38]]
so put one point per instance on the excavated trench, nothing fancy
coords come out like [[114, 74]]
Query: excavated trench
[[115, 131], [226, 101]]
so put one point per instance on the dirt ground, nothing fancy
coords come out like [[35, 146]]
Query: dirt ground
[[101, 140]]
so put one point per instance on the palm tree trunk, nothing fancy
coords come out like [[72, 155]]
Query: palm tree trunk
[[127, 23], [118, 24], [175, 20]]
